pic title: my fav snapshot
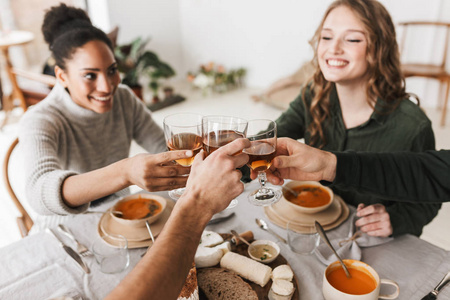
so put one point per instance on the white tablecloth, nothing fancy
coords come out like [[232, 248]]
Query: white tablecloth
[[37, 268]]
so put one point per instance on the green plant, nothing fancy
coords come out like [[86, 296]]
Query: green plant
[[211, 76], [134, 60]]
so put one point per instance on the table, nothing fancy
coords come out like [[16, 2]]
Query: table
[[7, 40], [414, 264]]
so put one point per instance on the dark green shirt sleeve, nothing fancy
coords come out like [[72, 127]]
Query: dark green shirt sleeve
[[412, 217], [402, 176]]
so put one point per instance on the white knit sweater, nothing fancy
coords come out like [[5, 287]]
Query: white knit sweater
[[58, 138]]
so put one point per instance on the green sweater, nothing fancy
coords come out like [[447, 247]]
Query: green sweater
[[407, 128], [401, 176]]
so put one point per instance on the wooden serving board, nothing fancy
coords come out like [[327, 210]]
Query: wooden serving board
[[262, 292]]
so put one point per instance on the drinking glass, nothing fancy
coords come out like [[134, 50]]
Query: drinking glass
[[304, 243], [183, 131], [221, 130], [111, 253], [263, 138]]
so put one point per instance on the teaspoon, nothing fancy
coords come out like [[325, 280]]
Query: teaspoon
[[263, 225], [151, 236], [238, 237], [324, 237], [285, 187]]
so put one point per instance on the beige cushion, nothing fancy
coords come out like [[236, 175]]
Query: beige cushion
[[285, 90]]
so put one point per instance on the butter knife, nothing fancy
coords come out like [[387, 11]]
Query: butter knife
[[433, 294], [71, 252]]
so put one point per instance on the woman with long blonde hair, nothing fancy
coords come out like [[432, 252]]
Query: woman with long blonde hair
[[356, 100]]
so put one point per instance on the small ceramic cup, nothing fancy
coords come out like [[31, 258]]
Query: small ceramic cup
[[303, 243], [272, 252], [331, 292], [111, 259]]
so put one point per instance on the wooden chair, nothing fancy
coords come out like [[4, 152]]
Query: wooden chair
[[24, 221], [428, 70], [38, 88]]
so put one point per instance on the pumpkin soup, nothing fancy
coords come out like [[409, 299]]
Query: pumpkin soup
[[138, 208], [309, 196], [361, 283]]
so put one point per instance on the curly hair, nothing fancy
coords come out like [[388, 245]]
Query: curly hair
[[66, 28], [385, 79]]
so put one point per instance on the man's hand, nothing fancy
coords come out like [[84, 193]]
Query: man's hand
[[215, 181], [297, 161]]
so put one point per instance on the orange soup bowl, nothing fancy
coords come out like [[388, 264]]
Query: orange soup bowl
[[312, 196], [364, 284], [135, 210]]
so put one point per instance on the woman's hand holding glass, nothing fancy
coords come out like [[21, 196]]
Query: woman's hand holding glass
[[157, 172]]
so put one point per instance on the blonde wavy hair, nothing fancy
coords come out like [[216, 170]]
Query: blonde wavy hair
[[385, 79]]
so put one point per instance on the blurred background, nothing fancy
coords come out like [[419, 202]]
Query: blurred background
[[268, 38]]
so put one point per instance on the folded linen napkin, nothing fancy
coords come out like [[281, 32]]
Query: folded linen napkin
[[50, 282], [348, 247]]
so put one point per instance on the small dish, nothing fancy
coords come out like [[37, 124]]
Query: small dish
[[138, 208], [313, 199], [264, 251]]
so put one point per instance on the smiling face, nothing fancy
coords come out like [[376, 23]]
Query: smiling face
[[342, 48], [91, 76]]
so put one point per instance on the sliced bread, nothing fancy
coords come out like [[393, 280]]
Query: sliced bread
[[219, 283]]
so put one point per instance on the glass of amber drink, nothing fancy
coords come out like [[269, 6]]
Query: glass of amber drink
[[221, 130], [263, 137], [183, 131]]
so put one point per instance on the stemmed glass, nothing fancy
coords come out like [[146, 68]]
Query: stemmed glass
[[221, 130], [183, 131], [263, 137]]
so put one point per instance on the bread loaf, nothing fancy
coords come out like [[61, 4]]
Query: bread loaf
[[190, 288], [247, 268], [218, 283]]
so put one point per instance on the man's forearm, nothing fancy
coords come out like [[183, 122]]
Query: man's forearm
[[163, 270]]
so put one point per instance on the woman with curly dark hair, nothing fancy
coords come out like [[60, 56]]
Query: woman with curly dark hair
[[356, 100], [76, 142]]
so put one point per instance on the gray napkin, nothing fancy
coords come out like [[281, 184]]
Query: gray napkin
[[348, 247]]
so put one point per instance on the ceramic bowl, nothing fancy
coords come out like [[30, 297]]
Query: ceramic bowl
[[265, 259], [304, 209], [137, 222]]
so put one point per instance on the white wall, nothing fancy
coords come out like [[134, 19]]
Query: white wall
[[267, 37], [158, 19]]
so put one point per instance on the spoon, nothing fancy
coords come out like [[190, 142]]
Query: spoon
[[114, 212], [238, 237], [151, 236], [290, 190], [263, 225], [324, 237], [150, 231]]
